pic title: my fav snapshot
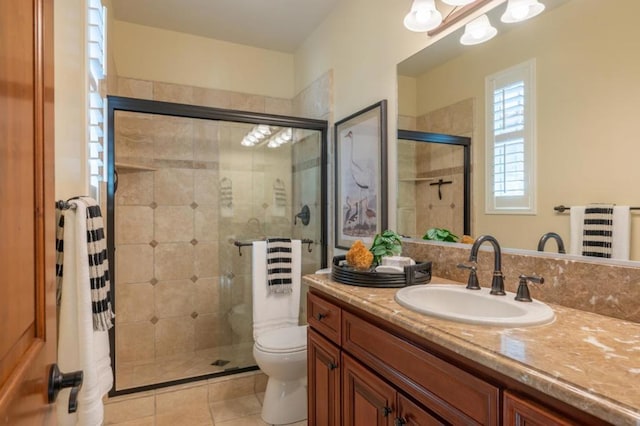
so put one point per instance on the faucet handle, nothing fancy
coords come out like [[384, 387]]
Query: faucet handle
[[472, 282], [522, 294]]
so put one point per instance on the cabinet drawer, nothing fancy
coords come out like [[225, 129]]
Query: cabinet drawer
[[433, 382], [324, 316]]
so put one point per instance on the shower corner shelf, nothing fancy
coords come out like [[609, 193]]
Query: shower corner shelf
[[128, 167]]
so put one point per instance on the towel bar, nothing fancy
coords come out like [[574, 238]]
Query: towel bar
[[561, 208], [241, 244]]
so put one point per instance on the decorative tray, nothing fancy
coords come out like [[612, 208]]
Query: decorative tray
[[420, 273]]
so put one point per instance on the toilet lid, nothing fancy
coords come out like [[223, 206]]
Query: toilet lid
[[286, 339]]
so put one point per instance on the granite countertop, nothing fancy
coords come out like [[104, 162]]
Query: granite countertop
[[589, 361]]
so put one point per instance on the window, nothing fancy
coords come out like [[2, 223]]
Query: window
[[510, 106], [96, 67]]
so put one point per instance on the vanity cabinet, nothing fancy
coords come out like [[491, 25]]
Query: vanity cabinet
[[521, 412], [363, 371]]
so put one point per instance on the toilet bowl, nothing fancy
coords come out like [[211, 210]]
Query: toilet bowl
[[281, 354], [280, 344]]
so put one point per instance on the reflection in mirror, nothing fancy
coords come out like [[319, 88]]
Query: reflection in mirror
[[433, 183], [588, 97]]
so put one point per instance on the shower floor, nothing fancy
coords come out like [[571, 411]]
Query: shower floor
[[175, 367]]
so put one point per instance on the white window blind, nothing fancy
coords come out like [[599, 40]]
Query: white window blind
[[510, 139], [96, 66]]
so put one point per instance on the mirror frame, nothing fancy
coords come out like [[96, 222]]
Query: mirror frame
[[465, 143]]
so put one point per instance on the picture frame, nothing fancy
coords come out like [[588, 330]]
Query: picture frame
[[360, 191]]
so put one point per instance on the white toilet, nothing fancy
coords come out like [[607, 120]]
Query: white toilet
[[280, 347]]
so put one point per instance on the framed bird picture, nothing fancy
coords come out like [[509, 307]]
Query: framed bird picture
[[361, 175]]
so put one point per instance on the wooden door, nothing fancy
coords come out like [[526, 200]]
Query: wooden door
[[323, 359], [27, 215], [367, 399]]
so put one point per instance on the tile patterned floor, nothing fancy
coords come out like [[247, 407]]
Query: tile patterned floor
[[226, 401], [164, 369]]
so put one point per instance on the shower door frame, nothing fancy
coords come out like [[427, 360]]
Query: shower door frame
[[145, 106]]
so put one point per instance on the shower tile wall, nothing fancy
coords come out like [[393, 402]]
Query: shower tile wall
[[173, 289], [168, 299], [419, 207]]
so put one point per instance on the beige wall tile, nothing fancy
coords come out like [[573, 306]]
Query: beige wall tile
[[206, 262], [173, 137], [174, 223], [207, 296], [174, 298], [133, 88], [173, 261], [172, 93], [134, 263], [134, 225], [174, 336], [278, 106], [205, 140], [212, 330], [246, 102], [135, 341], [206, 187], [206, 223], [135, 188], [212, 98], [134, 302], [173, 187]]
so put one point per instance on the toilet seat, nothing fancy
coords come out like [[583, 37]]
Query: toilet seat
[[283, 340]]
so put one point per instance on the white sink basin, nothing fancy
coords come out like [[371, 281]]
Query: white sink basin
[[456, 303]]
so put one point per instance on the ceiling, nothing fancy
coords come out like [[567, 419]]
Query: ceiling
[[280, 25]]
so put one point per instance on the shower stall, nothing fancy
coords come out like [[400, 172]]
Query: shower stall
[[189, 189]]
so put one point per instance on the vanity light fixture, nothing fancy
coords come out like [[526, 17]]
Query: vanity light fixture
[[280, 138], [423, 16], [521, 10], [478, 31]]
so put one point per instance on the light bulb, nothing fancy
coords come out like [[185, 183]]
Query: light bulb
[[520, 11]]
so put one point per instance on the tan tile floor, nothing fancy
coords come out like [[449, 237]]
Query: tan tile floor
[[198, 363], [226, 401]]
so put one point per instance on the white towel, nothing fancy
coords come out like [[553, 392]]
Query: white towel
[[621, 242], [79, 346], [279, 309]]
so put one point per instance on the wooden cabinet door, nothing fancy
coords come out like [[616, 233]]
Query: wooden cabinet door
[[367, 399], [27, 216], [323, 375], [410, 414], [520, 412]]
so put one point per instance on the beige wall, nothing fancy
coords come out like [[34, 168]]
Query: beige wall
[[152, 54], [588, 98], [70, 99]]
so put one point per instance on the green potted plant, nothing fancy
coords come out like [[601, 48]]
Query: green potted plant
[[440, 234], [387, 243]]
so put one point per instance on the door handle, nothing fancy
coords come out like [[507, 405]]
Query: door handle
[[59, 381]]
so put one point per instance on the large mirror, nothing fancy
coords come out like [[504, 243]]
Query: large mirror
[[588, 99]]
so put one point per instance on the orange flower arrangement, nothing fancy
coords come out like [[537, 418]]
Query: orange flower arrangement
[[359, 256]]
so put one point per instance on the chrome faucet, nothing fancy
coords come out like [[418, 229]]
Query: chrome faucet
[[497, 283], [549, 235]]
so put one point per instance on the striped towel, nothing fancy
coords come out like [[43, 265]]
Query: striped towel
[[100, 283], [279, 263], [597, 234]]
